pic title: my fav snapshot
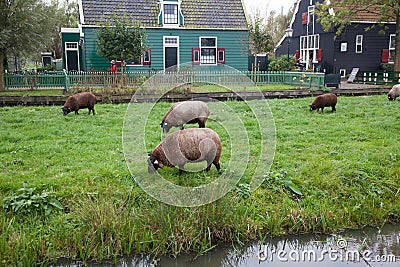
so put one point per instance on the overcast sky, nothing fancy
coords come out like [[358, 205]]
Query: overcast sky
[[265, 6]]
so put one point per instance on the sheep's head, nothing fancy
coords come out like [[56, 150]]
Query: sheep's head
[[165, 126], [66, 110], [153, 164], [313, 107], [390, 97]]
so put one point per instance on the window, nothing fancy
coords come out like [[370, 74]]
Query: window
[[309, 50], [391, 47], [208, 50], [342, 73], [196, 55], [144, 59], [359, 43], [170, 14], [343, 47], [310, 20], [221, 56]]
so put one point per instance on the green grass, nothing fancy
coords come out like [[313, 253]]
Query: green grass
[[346, 165]]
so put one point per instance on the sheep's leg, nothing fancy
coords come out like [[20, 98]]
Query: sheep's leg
[[201, 124], [208, 166], [76, 112], [333, 108], [181, 169], [217, 166], [181, 127]]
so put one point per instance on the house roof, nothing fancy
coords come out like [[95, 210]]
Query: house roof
[[228, 14], [361, 12]]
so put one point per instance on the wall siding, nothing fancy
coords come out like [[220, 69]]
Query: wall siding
[[332, 58], [235, 42]]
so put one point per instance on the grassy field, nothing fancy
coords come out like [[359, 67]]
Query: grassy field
[[331, 171]]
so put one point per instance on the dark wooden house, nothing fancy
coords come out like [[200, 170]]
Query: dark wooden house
[[356, 47]]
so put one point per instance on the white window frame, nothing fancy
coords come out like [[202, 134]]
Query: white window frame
[[391, 47], [202, 60], [343, 47], [178, 8], [309, 44], [311, 18], [72, 46], [171, 41], [359, 43], [342, 73]]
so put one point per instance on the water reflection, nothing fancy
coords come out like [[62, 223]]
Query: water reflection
[[366, 247]]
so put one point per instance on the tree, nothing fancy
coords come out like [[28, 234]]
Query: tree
[[23, 29], [60, 14], [386, 10], [121, 38], [260, 39], [276, 24]]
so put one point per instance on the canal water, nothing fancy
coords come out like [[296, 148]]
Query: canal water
[[366, 247]]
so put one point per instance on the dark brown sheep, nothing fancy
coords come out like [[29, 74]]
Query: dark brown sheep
[[184, 113], [394, 92], [189, 145], [322, 101], [79, 101]]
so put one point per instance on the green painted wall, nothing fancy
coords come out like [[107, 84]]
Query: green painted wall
[[235, 44], [72, 37]]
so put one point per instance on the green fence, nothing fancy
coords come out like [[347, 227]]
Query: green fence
[[378, 77], [131, 79]]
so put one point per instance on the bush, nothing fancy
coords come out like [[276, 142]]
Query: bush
[[281, 63]]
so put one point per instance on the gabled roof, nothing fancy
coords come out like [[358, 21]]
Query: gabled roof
[[228, 14], [361, 12]]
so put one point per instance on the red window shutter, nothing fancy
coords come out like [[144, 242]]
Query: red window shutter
[[319, 55], [147, 57], [196, 55], [221, 55], [297, 55], [304, 18], [385, 55]]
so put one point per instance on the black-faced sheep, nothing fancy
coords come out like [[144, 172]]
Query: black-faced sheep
[[189, 145], [394, 92], [185, 112], [322, 101], [79, 101]]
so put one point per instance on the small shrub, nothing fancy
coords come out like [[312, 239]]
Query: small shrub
[[29, 200]]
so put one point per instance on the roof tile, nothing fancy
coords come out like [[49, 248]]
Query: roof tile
[[197, 13]]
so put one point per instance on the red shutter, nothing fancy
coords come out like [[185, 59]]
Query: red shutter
[[147, 57], [220, 55], [385, 55], [304, 18], [297, 55], [196, 55], [319, 55]]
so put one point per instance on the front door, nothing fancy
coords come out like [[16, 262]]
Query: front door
[[171, 57], [171, 51]]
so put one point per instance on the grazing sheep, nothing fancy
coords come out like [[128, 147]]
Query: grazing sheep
[[185, 112], [394, 92], [322, 101], [189, 145], [78, 101]]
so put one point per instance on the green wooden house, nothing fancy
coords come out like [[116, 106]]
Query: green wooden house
[[203, 32]]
